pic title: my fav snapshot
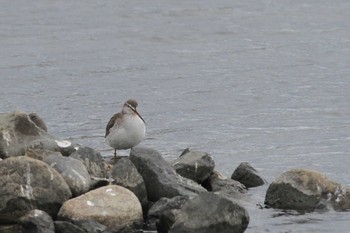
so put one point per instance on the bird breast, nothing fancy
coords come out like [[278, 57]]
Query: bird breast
[[130, 132]]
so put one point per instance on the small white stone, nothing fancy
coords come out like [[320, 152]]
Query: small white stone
[[63, 143]]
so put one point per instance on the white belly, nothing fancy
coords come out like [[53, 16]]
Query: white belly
[[128, 134]]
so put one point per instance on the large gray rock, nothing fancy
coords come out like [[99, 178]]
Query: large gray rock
[[92, 160], [302, 189], [37, 221], [248, 176], [73, 172], [20, 131], [209, 213], [27, 184], [160, 177], [107, 209], [124, 173], [194, 165], [17, 131]]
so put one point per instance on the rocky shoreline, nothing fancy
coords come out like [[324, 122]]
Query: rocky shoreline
[[51, 185]]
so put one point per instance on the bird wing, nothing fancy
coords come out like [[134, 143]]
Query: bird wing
[[114, 120]]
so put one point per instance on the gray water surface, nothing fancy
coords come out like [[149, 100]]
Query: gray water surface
[[265, 82]]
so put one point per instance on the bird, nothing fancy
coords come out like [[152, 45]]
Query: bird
[[125, 129]]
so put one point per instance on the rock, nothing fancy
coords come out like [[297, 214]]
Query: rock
[[63, 146], [92, 160], [27, 184], [124, 173], [40, 154], [208, 213], [37, 221], [67, 227], [194, 165], [17, 131], [73, 172], [302, 189], [341, 198], [160, 178], [220, 184], [107, 209], [248, 176], [38, 121], [166, 220], [20, 131], [163, 205]]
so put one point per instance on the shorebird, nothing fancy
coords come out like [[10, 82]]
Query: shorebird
[[125, 129]]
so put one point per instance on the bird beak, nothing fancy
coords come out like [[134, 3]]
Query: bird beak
[[137, 113]]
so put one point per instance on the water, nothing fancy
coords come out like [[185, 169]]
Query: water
[[265, 82]]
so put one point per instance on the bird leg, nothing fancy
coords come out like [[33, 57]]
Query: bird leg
[[115, 155]]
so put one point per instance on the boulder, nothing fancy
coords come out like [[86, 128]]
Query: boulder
[[73, 172], [124, 173], [37, 221], [17, 131], [302, 189], [107, 209], [163, 205], [67, 227], [160, 178], [194, 165], [220, 184], [27, 184], [208, 213], [52, 144], [92, 160], [38, 121], [248, 176]]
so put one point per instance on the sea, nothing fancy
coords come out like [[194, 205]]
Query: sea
[[265, 82]]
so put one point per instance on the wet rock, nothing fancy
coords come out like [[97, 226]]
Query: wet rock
[[160, 178], [73, 172], [27, 184], [220, 184], [107, 209], [37, 221], [248, 176], [302, 189], [92, 160], [38, 121], [124, 173], [194, 165], [163, 205], [67, 227], [17, 131], [207, 213]]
